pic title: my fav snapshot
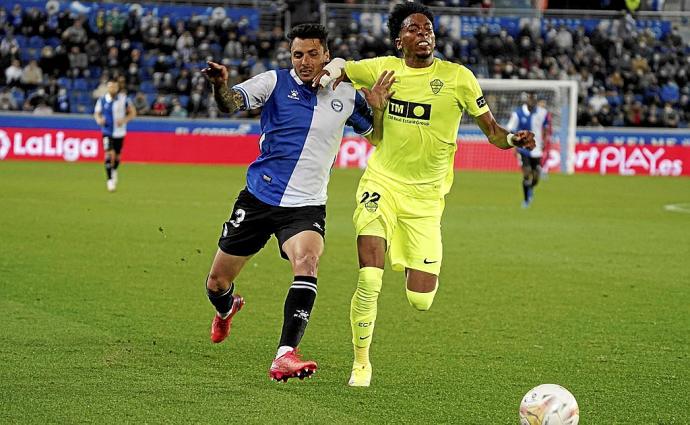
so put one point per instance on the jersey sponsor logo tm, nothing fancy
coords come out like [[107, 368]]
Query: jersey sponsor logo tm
[[410, 110], [481, 101]]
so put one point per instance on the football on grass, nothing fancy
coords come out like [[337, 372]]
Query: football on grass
[[549, 404]]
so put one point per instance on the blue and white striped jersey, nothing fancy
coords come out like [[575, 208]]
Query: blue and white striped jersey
[[522, 119], [301, 131], [113, 109]]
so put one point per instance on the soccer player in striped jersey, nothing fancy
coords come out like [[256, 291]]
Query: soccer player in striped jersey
[[400, 197], [285, 194], [112, 112], [532, 117]]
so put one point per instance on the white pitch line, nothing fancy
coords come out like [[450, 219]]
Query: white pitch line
[[681, 208]]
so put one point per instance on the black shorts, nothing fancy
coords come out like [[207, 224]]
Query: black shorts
[[113, 144], [527, 161], [252, 222]]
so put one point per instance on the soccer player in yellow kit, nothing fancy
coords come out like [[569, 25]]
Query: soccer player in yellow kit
[[400, 198]]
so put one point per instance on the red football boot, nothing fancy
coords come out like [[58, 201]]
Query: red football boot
[[291, 365], [220, 328]]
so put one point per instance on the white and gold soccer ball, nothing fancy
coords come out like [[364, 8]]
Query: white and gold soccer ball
[[549, 404]]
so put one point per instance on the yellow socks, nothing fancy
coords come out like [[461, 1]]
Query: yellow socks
[[363, 311]]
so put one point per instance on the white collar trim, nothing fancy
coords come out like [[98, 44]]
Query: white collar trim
[[295, 77]]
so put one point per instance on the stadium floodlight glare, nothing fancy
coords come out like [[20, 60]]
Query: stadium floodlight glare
[[560, 97]]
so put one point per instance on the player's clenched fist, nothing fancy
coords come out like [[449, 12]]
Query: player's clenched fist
[[216, 73], [524, 139]]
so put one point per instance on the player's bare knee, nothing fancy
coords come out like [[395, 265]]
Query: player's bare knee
[[306, 264]]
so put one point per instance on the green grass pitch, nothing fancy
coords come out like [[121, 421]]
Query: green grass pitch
[[105, 318]]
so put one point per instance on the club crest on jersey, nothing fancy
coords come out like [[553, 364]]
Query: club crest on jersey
[[370, 201], [371, 206], [293, 95], [337, 105], [436, 85]]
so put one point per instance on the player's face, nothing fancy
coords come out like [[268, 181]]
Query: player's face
[[417, 37], [308, 57], [531, 102], [112, 88]]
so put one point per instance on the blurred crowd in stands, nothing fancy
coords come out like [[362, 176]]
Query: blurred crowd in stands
[[60, 62]]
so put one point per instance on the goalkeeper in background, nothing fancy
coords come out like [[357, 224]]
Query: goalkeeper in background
[[531, 117], [401, 194]]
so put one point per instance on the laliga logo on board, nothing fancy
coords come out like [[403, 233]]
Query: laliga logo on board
[[70, 148], [5, 144]]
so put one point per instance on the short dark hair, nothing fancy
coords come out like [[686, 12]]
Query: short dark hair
[[305, 31], [400, 12]]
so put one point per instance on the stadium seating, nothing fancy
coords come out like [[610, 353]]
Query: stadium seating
[[494, 47]]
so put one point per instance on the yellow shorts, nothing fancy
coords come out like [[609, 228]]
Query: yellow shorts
[[411, 226]]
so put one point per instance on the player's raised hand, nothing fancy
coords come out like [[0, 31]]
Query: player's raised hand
[[377, 97], [323, 79], [216, 73], [322, 75], [524, 139], [332, 71]]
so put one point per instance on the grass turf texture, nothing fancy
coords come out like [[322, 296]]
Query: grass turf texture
[[105, 317]]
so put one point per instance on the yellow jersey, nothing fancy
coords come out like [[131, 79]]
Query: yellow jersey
[[420, 126]]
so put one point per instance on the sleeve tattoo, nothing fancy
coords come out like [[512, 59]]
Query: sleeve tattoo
[[228, 100]]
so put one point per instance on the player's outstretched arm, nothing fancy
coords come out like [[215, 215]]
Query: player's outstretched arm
[[502, 138], [377, 97], [228, 100]]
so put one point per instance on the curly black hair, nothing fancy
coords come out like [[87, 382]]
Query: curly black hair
[[305, 31], [400, 12]]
